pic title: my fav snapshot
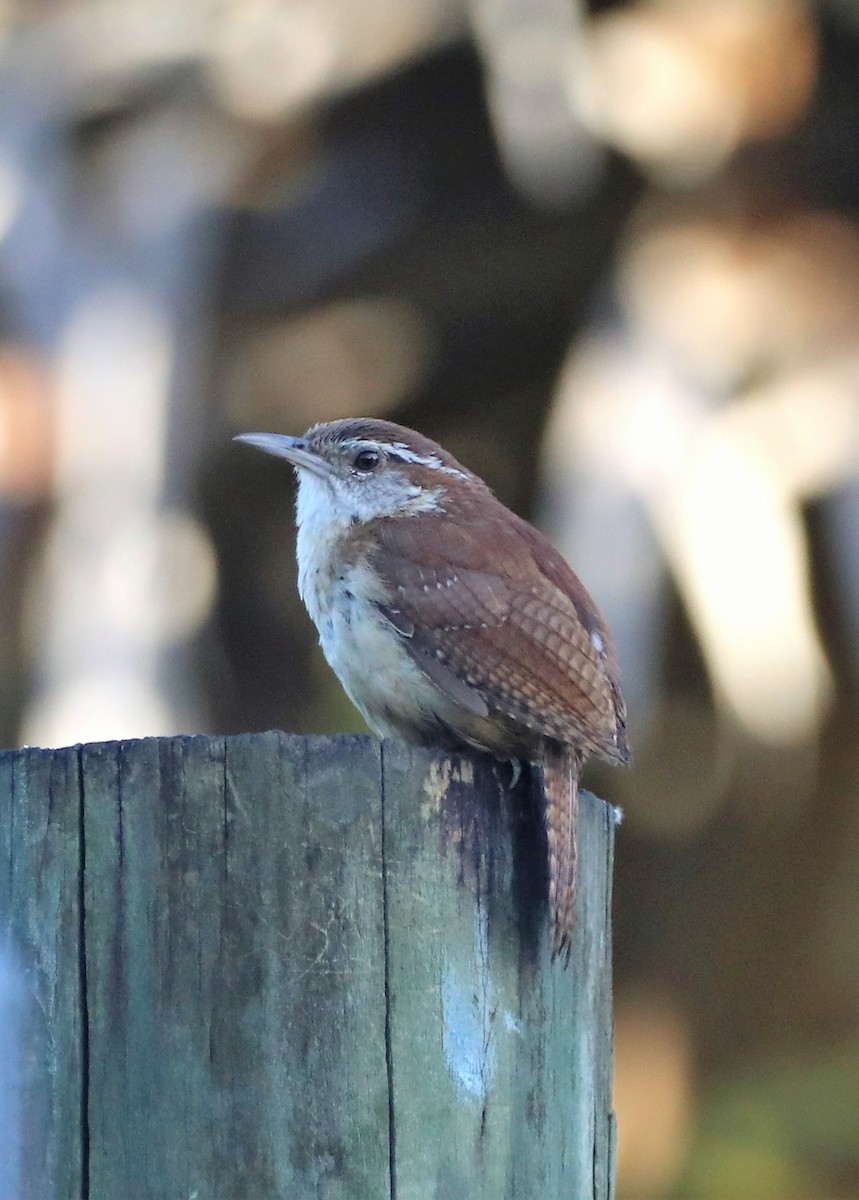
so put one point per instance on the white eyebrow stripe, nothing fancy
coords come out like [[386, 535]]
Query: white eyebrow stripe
[[404, 452], [425, 460]]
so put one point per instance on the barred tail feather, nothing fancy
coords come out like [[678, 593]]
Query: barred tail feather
[[561, 768]]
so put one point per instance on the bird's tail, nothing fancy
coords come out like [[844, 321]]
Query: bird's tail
[[561, 767]]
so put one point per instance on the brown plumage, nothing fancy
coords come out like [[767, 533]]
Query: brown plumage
[[450, 621], [561, 767], [550, 688]]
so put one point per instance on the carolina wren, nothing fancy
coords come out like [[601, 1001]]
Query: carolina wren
[[449, 620]]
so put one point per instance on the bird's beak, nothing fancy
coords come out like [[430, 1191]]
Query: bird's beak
[[295, 450]]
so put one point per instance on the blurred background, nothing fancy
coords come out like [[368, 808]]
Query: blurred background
[[608, 254]]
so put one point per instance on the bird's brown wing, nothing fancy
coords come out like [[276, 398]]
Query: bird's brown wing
[[555, 673]]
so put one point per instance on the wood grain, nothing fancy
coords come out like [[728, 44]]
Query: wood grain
[[274, 966]]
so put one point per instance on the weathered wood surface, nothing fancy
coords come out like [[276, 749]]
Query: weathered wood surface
[[280, 967]]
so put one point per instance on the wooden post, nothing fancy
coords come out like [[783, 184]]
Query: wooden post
[[274, 968]]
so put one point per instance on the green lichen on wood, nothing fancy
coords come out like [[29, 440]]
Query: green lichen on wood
[[310, 968]]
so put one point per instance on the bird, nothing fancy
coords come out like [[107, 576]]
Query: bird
[[452, 622]]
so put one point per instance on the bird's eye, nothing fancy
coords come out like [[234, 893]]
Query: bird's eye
[[366, 461]]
